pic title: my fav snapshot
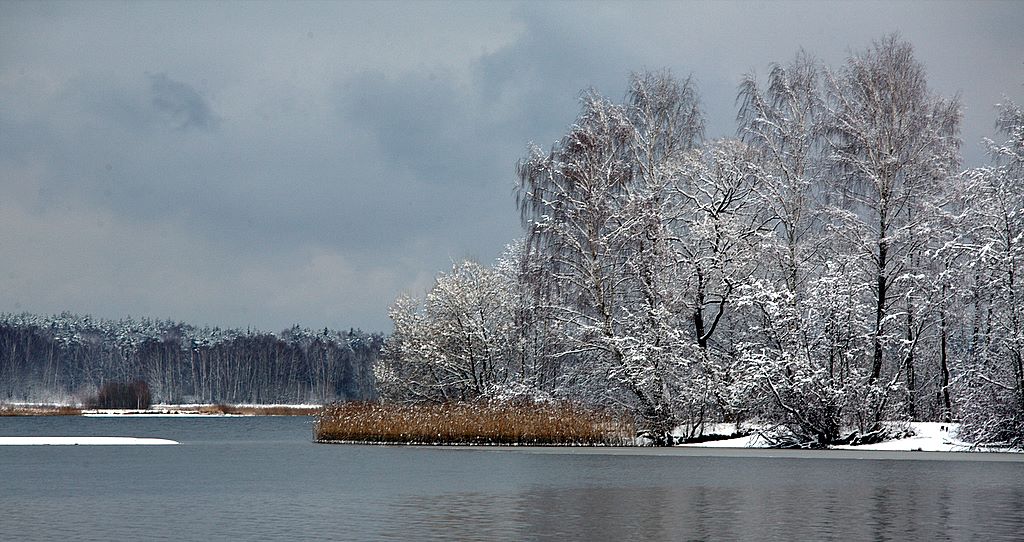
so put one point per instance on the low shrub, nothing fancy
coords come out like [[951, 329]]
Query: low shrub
[[121, 395], [471, 423]]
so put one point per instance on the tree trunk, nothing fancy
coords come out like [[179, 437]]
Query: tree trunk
[[947, 407], [882, 285], [909, 366]]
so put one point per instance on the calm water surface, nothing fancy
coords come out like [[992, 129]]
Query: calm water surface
[[263, 479]]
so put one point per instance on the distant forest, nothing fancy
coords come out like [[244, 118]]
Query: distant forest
[[66, 358]]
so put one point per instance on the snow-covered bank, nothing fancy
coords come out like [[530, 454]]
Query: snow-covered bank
[[927, 437], [186, 410], [118, 413], [84, 441], [160, 410]]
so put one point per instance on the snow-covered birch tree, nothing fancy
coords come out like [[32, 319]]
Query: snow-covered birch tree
[[783, 121], [824, 272], [594, 209], [802, 344], [891, 145], [462, 342]]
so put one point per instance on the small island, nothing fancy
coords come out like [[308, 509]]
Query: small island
[[829, 277]]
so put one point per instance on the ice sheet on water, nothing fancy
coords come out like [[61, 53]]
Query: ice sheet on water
[[84, 441]]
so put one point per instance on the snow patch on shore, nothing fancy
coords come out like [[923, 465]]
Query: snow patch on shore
[[194, 410], [928, 437], [116, 413], [753, 440], [84, 441]]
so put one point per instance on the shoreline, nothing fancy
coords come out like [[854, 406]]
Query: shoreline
[[928, 438], [162, 410]]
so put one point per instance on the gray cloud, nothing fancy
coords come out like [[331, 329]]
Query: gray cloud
[[264, 164], [180, 104], [422, 122]]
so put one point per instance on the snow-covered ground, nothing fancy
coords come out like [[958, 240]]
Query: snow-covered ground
[[188, 410], [83, 441], [115, 413], [928, 437], [750, 441]]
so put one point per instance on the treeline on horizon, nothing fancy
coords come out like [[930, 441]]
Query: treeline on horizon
[[68, 358], [829, 269]]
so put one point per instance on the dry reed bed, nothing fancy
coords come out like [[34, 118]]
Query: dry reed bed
[[39, 410], [471, 423], [254, 410]]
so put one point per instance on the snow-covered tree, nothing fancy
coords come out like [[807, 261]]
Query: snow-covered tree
[[717, 225], [824, 272], [803, 313], [992, 387], [783, 121], [892, 145], [594, 207], [804, 356], [464, 341]]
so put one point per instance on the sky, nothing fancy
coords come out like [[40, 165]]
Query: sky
[[264, 164]]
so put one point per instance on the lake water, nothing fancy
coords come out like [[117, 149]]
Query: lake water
[[263, 479]]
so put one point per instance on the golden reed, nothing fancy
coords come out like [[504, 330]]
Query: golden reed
[[471, 423]]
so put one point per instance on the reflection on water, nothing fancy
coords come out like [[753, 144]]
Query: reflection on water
[[261, 479], [702, 513]]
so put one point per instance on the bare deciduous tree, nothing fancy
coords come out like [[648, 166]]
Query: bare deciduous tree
[[891, 145]]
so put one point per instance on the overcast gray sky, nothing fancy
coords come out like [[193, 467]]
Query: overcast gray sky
[[264, 164]]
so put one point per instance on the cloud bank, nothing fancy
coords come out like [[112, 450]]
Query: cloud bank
[[269, 164]]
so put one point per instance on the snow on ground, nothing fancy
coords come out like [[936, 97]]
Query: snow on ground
[[750, 441], [190, 410], [166, 409], [928, 437], [247, 405], [83, 441], [194, 406], [115, 413]]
